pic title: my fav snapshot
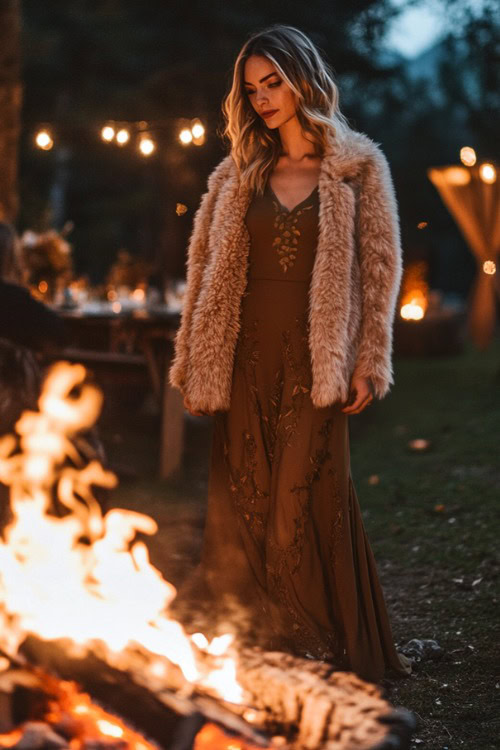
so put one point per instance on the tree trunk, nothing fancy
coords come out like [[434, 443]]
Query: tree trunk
[[10, 105]]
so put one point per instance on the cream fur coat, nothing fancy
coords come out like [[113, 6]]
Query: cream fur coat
[[354, 284]]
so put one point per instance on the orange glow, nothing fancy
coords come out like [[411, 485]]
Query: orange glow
[[414, 296], [83, 576], [457, 176], [139, 295], [7, 740], [487, 173], [212, 737], [94, 722]]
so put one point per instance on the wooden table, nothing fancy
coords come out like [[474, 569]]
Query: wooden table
[[126, 346]]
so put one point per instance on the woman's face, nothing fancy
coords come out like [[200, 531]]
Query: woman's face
[[268, 92]]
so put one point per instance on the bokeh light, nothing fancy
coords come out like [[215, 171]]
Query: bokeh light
[[44, 140], [122, 137], [468, 156]]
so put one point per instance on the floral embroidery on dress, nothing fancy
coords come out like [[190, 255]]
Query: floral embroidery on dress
[[279, 419], [248, 497], [286, 243]]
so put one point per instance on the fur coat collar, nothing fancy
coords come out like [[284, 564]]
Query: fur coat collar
[[354, 284]]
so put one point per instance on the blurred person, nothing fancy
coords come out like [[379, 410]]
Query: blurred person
[[294, 266], [24, 320]]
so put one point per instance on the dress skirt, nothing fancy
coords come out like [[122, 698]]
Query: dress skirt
[[284, 537]]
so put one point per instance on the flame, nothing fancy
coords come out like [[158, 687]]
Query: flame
[[414, 300], [81, 575], [10, 739], [91, 721], [212, 737]]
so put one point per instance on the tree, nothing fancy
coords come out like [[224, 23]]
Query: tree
[[10, 106]]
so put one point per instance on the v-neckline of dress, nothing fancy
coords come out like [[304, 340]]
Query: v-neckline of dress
[[287, 210]]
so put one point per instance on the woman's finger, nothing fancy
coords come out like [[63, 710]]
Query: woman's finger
[[366, 401], [359, 404]]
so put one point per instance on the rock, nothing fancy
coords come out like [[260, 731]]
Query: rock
[[422, 649]]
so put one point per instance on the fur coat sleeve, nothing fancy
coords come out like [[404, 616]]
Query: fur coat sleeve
[[196, 260], [380, 257]]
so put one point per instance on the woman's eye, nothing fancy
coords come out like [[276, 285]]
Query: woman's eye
[[273, 85]]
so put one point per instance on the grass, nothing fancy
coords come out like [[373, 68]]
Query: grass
[[432, 518]]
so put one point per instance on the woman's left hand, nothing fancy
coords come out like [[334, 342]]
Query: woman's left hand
[[361, 395]]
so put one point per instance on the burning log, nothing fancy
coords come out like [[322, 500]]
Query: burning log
[[302, 700], [330, 709], [152, 705]]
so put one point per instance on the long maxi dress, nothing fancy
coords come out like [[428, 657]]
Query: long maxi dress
[[284, 534]]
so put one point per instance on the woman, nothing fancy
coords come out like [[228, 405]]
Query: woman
[[294, 266]]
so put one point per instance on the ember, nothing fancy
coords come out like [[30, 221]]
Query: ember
[[69, 718]]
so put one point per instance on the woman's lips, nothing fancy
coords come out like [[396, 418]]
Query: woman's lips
[[269, 114]]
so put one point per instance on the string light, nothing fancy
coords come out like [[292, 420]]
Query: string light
[[198, 130], [488, 173], [108, 133], [141, 132], [44, 140], [122, 137], [489, 267], [146, 145], [468, 156], [185, 136]]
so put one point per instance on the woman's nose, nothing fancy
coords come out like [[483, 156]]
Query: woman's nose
[[261, 97]]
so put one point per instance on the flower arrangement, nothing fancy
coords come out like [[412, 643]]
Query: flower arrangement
[[47, 261], [128, 271]]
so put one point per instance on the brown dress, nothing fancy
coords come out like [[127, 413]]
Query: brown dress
[[284, 535]]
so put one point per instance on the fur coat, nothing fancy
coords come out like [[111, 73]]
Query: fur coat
[[354, 284]]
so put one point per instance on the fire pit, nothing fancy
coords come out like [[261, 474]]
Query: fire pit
[[80, 601], [424, 326]]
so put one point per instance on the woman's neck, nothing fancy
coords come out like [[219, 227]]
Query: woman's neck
[[295, 146]]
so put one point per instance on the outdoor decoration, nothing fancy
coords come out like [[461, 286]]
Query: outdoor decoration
[[140, 133], [128, 271], [472, 195], [47, 261]]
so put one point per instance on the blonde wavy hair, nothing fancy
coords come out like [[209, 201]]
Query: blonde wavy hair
[[254, 147]]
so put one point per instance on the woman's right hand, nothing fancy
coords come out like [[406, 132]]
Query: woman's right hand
[[189, 408]]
